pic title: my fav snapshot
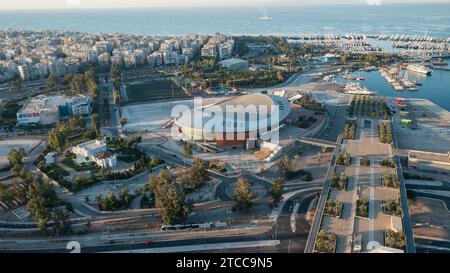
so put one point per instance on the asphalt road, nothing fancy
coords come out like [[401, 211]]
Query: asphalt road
[[445, 187], [410, 245], [432, 246], [289, 241]]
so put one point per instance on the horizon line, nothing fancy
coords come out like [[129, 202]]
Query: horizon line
[[223, 6]]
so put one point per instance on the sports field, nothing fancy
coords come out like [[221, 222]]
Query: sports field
[[153, 90]]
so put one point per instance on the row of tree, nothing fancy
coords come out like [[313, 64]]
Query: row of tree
[[111, 202], [390, 180], [344, 159], [333, 208], [362, 207], [385, 132], [39, 196], [350, 130], [339, 181]]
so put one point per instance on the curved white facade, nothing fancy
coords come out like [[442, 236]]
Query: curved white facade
[[243, 117]]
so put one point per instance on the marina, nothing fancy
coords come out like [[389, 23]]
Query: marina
[[395, 80]]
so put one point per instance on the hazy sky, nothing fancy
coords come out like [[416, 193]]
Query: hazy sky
[[46, 4]]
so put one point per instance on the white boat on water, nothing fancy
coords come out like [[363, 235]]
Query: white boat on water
[[439, 62], [397, 86], [418, 68], [349, 76], [356, 89], [266, 17]]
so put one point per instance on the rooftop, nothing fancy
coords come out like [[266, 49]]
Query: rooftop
[[43, 102], [232, 61], [92, 145], [261, 105]]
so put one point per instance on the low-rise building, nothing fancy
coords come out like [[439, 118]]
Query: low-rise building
[[235, 64], [47, 110], [95, 151]]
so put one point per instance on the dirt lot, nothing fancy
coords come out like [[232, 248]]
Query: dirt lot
[[430, 212]]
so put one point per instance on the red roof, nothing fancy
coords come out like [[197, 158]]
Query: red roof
[[103, 155]]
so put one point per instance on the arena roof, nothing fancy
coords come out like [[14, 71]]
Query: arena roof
[[251, 104]]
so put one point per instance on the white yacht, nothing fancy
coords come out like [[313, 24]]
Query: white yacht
[[419, 68], [266, 17], [356, 89]]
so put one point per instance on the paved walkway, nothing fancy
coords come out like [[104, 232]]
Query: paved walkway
[[205, 247]]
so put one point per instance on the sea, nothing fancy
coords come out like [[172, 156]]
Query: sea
[[408, 19], [403, 19]]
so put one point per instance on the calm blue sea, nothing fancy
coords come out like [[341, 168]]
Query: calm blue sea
[[412, 19]]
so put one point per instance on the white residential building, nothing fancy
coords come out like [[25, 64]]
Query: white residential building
[[23, 72], [95, 151]]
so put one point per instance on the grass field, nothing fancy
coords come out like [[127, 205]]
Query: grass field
[[56, 172], [154, 90]]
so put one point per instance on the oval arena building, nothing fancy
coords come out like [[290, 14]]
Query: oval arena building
[[235, 120]]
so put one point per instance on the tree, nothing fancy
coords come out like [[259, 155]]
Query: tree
[[197, 175], [170, 199], [156, 181], [42, 197], [81, 182], [75, 122], [62, 226], [5, 194], [58, 139], [187, 150], [95, 123], [243, 196], [92, 88], [155, 161], [90, 135], [277, 190], [125, 197], [100, 202], [40, 211], [75, 82], [115, 71], [325, 242], [286, 166], [51, 82], [15, 156], [111, 202]]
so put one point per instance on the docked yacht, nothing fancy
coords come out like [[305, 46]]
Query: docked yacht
[[349, 76], [356, 89], [439, 62], [418, 68]]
